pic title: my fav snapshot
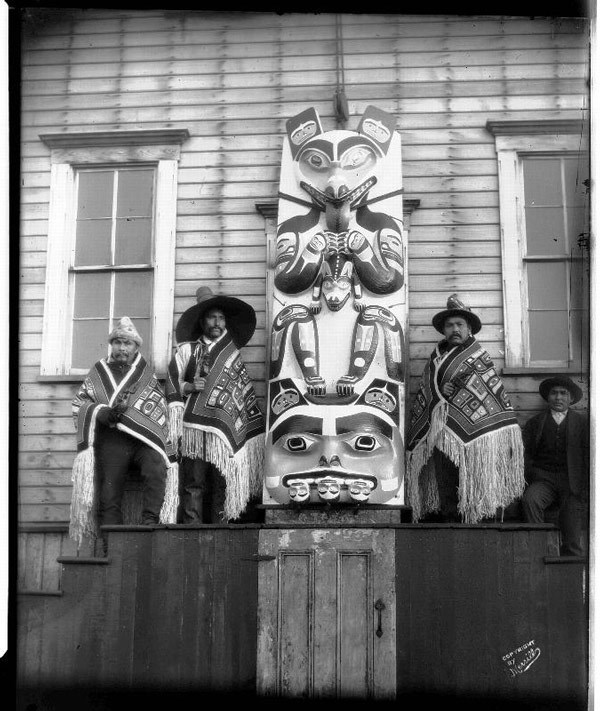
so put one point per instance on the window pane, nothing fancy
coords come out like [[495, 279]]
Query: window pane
[[547, 285], [548, 336], [133, 294], [133, 241], [542, 178], [95, 194], [92, 245], [92, 295], [90, 342], [135, 193], [545, 230]]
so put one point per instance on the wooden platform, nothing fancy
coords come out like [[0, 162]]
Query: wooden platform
[[484, 611]]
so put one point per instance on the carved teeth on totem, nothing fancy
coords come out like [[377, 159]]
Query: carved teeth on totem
[[299, 490], [360, 490], [329, 489]]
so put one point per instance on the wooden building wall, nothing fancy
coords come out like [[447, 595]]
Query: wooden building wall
[[231, 80]]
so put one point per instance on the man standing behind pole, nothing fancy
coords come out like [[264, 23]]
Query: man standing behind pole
[[214, 411], [557, 460], [465, 450], [121, 415]]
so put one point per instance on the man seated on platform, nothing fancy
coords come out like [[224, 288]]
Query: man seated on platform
[[121, 415], [465, 450], [556, 462], [214, 411]]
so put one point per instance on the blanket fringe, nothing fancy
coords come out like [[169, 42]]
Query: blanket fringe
[[490, 470], [175, 422], [168, 511], [243, 471], [83, 504]]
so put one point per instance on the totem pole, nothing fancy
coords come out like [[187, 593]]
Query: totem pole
[[335, 420]]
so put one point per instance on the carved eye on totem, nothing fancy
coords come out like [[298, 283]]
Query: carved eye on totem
[[357, 157], [315, 159], [364, 443], [297, 443]]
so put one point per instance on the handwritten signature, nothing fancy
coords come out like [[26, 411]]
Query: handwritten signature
[[521, 659]]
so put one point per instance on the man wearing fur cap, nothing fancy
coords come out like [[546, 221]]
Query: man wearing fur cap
[[556, 461], [465, 450], [121, 415], [214, 411]]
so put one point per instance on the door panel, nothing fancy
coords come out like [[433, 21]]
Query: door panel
[[317, 617]]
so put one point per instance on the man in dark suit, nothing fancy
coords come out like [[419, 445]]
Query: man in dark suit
[[556, 461]]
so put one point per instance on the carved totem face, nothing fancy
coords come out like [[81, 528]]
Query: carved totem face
[[344, 454]]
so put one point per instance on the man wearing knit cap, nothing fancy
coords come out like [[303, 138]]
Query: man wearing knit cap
[[214, 413], [465, 450], [556, 461], [121, 415]]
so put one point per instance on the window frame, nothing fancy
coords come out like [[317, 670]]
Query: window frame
[[515, 140], [69, 152]]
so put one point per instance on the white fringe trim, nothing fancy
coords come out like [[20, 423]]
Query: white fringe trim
[[243, 472], [175, 422], [83, 504], [490, 470], [168, 511]]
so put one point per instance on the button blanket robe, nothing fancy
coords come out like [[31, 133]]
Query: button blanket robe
[[475, 427], [146, 419], [221, 424]]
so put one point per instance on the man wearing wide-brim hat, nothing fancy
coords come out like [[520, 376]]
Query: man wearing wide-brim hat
[[214, 411], [464, 446], [557, 461]]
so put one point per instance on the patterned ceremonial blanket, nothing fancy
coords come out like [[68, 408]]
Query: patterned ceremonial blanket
[[146, 419], [222, 424], [475, 427]]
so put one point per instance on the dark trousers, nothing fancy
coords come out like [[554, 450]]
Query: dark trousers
[[446, 474], [201, 492], [117, 453], [545, 489]]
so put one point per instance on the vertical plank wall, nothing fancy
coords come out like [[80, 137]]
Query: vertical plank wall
[[232, 79]]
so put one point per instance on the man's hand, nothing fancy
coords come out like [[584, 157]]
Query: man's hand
[[448, 389], [197, 386]]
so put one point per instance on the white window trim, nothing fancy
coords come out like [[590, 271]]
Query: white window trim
[[68, 151], [513, 140]]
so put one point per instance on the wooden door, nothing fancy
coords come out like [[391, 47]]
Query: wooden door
[[326, 613]]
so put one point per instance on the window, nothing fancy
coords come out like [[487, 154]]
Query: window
[[111, 245], [544, 213]]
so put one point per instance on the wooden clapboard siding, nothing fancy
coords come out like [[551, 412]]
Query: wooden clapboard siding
[[232, 80]]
